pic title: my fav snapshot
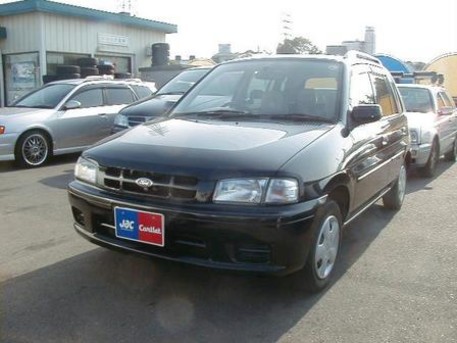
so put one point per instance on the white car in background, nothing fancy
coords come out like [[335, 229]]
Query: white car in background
[[64, 117], [432, 121]]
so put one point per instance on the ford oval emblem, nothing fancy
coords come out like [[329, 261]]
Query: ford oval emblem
[[144, 182]]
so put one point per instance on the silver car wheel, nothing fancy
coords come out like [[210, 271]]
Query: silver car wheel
[[35, 149], [327, 247]]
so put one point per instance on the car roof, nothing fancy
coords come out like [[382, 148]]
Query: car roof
[[418, 85], [95, 80], [351, 57]]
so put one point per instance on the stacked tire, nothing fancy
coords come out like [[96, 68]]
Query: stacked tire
[[88, 66], [68, 71]]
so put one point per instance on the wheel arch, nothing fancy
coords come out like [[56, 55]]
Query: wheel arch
[[36, 129], [338, 189]]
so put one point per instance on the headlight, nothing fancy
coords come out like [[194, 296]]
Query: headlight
[[282, 191], [256, 191], [121, 120], [413, 136], [86, 170], [2, 129]]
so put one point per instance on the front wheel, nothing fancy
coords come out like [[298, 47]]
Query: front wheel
[[326, 241], [451, 155], [429, 169], [33, 149], [394, 198]]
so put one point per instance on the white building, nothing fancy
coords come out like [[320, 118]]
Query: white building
[[38, 35]]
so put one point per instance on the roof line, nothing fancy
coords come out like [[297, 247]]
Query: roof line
[[27, 6]]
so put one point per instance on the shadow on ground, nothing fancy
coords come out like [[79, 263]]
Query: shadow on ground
[[104, 296]]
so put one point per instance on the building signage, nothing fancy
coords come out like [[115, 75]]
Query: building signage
[[105, 39]]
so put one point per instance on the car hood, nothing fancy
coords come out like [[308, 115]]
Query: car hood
[[14, 112], [417, 120], [151, 107], [219, 148]]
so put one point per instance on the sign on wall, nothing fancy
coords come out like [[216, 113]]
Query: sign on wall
[[113, 40]]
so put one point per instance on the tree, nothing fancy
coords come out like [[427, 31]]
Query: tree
[[297, 45]]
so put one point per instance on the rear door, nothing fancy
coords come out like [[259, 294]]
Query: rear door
[[446, 118], [394, 122]]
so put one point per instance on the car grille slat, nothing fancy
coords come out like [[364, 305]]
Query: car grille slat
[[163, 185]]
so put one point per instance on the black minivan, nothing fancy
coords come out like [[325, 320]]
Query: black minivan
[[257, 168]]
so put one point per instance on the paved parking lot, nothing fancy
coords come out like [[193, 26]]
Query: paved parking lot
[[396, 280]]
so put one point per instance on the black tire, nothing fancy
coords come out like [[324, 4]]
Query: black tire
[[451, 155], [68, 69], [33, 149], [103, 68], [393, 199], [87, 62], [326, 230], [68, 76], [49, 78], [88, 71], [430, 168], [122, 75]]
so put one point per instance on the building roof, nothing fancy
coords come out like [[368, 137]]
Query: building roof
[[27, 6]]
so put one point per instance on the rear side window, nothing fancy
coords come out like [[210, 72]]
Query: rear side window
[[119, 96], [90, 98], [141, 91]]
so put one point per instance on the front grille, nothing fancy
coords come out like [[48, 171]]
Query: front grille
[[134, 121], [163, 186]]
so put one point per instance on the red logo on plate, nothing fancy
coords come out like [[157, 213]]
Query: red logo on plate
[[151, 228]]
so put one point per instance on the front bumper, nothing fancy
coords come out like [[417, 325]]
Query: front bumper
[[273, 240], [7, 143], [420, 154]]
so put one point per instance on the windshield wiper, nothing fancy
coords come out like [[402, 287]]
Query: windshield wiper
[[219, 113], [171, 93], [298, 117]]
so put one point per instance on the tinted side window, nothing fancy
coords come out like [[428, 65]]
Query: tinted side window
[[361, 91], [118, 96], [89, 98], [384, 94]]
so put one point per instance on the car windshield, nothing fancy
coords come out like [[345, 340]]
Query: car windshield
[[286, 88], [416, 99], [182, 82], [46, 97]]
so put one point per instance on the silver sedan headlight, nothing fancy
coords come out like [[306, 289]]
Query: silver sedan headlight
[[86, 170], [413, 136], [256, 191], [121, 120]]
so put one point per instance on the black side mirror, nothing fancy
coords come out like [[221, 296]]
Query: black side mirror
[[363, 114]]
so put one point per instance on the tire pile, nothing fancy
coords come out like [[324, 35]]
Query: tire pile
[[87, 66]]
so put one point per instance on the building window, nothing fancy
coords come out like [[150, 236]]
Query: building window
[[121, 64], [53, 59]]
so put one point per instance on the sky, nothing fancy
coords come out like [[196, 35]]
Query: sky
[[408, 29]]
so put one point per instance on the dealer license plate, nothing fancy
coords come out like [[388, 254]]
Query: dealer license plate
[[140, 226]]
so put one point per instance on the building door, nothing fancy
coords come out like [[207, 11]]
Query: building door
[[22, 75]]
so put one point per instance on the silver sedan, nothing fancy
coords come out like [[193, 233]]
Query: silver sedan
[[432, 121], [63, 117]]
